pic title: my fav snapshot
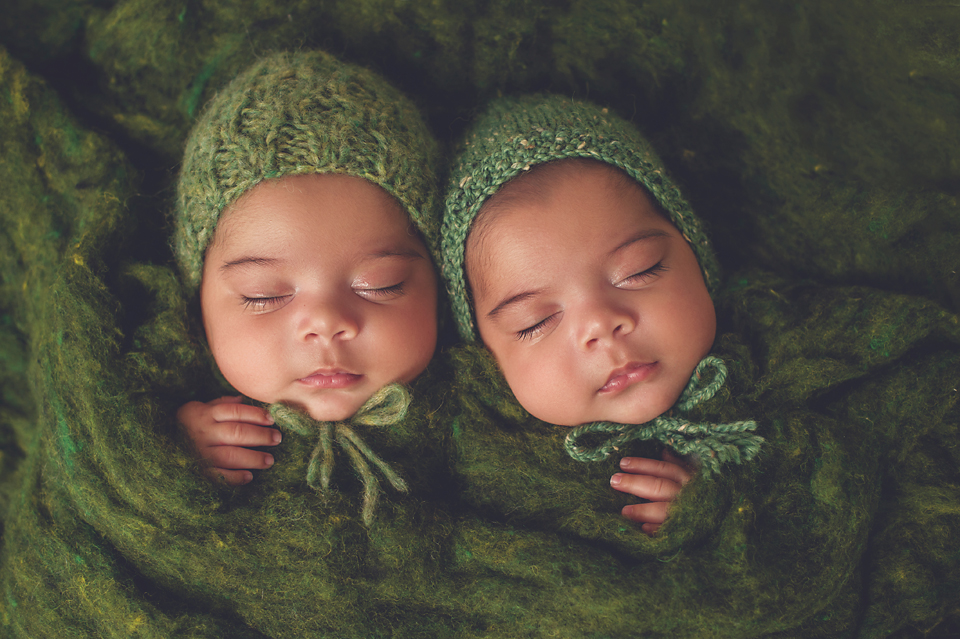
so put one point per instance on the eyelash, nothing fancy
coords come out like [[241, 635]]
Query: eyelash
[[386, 291], [532, 331], [262, 303], [643, 276]]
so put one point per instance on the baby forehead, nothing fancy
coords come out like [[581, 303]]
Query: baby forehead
[[571, 210], [541, 180], [570, 192], [333, 213]]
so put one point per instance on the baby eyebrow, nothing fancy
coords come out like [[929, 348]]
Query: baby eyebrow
[[646, 234], [249, 261], [514, 299]]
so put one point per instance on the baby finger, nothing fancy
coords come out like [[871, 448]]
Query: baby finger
[[236, 412], [645, 486], [235, 457], [243, 434], [667, 469], [650, 513], [233, 477]]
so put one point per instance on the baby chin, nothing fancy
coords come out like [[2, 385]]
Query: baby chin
[[636, 405], [334, 395], [330, 410], [329, 405]]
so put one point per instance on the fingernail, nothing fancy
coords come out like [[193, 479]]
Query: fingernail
[[268, 460], [277, 437], [625, 462], [615, 480], [271, 419], [247, 477]]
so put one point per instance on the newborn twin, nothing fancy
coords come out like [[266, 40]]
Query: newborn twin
[[308, 223]]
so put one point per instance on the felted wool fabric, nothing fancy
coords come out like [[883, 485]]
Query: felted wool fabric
[[49, 160], [824, 133], [295, 114], [792, 527], [112, 528], [128, 537], [845, 523], [817, 139]]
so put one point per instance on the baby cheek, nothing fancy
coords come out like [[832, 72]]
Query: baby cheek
[[411, 354], [245, 362], [427, 344], [410, 345], [542, 389], [237, 368]]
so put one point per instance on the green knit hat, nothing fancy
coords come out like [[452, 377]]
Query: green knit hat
[[517, 133], [295, 114]]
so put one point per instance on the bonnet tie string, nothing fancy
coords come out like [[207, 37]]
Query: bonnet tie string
[[712, 444], [387, 406]]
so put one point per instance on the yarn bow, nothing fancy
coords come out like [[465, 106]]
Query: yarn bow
[[713, 444], [387, 406]]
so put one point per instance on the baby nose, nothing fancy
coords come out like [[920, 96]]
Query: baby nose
[[606, 319], [328, 320]]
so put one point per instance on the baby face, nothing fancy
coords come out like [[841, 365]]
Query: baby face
[[316, 292], [591, 301]]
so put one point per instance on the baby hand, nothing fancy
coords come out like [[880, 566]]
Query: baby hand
[[223, 430], [657, 481]]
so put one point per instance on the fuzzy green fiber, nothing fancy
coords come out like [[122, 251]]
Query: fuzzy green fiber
[[49, 164], [297, 114], [844, 523], [513, 135], [110, 514], [817, 139], [820, 537]]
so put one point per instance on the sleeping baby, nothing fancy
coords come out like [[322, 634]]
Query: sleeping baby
[[570, 255], [306, 197]]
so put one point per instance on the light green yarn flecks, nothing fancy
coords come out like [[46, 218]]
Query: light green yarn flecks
[[385, 407], [517, 133], [710, 444], [296, 114]]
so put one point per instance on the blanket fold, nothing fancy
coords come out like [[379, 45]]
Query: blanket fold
[[843, 525], [798, 529]]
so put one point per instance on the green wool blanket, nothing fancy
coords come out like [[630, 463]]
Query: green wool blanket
[[845, 523], [819, 140]]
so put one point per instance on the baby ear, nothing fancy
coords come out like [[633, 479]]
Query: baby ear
[[478, 379]]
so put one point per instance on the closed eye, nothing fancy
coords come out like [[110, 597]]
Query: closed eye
[[644, 276], [378, 294], [537, 329], [263, 304]]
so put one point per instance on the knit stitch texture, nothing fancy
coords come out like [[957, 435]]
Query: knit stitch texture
[[819, 140], [517, 133], [296, 114]]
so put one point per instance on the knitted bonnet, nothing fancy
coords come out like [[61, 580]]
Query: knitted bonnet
[[517, 133], [295, 114]]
